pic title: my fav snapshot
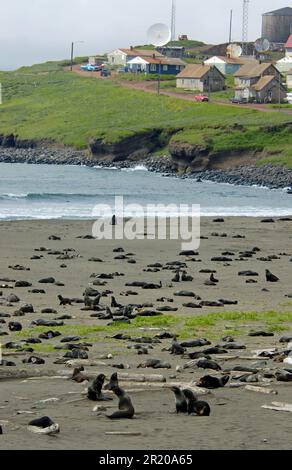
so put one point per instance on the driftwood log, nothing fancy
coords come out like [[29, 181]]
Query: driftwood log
[[267, 391], [276, 406]]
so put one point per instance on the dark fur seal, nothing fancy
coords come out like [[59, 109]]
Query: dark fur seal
[[44, 422], [271, 277], [113, 383], [78, 376], [180, 400], [45, 426], [94, 392], [114, 303], [14, 326], [195, 406], [64, 301], [176, 348], [211, 382], [126, 409]]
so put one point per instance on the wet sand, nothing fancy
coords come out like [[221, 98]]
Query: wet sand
[[237, 420]]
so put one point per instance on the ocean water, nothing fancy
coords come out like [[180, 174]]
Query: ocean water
[[51, 192]]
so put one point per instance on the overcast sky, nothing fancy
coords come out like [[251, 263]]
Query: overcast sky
[[33, 31]]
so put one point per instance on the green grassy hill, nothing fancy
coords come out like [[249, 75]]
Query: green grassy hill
[[69, 109]]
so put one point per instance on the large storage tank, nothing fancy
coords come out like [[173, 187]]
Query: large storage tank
[[277, 25]]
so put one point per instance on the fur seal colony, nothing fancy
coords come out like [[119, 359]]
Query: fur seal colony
[[92, 324]]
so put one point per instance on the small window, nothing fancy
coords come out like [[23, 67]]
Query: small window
[[153, 68], [177, 67], [165, 68]]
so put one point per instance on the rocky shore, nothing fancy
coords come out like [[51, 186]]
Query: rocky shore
[[274, 177]]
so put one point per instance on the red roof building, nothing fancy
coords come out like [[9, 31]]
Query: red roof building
[[288, 44]]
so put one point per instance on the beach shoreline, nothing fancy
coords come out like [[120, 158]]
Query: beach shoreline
[[268, 175]]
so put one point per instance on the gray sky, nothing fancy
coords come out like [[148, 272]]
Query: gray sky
[[33, 31]]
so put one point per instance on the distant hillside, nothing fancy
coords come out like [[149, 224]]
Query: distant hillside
[[43, 105], [190, 44]]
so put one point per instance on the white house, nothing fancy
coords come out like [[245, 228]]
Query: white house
[[122, 56], [163, 65], [284, 65], [228, 65]]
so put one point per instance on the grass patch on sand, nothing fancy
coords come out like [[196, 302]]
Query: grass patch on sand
[[212, 325]]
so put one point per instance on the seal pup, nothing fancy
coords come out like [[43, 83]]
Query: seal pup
[[126, 409], [94, 392], [211, 382], [186, 278], [64, 301], [113, 383], [271, 277], [213, 279], [195, 406], [114, 303], [176, 348], [43, 425], [180, 400], [78, 376], [176, 277], [14, 326]]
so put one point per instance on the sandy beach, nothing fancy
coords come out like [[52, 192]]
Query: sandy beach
[[245, 304]]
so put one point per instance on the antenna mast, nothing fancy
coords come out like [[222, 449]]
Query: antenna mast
[[245, 27], [230, 29], [173, 20]]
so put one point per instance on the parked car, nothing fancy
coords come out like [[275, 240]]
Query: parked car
[[201, 98], [238, 101], [91, 68], [105, 73], [123, 70]]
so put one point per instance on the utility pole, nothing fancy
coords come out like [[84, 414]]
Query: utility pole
[[245, 18], [230, 30], [173, 20], [72, 52]]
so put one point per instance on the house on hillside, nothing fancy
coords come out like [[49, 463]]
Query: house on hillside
[[156, 64], [228, 65], [204, 78], [261, 83], [284, 65], [288, 47], [120, 57]]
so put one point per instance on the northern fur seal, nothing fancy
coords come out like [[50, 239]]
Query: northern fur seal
[[44, 425], [195, 406], [78, 376], [113, 383], [64, 301], [14, 326], [126, 409], [180, 400], [271, 277], [94, 392], [211, 382]]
